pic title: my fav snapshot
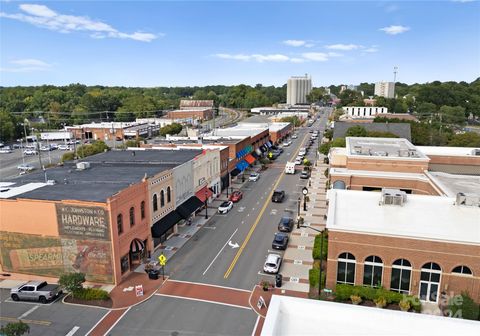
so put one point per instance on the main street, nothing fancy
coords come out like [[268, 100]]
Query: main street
[[208, 258]]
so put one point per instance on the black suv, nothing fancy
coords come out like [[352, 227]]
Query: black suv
[[286, 224], [305, 174], [278, 196], [280, 241]]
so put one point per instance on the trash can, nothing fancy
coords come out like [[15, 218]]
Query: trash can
[[153, 274], [278, 280]]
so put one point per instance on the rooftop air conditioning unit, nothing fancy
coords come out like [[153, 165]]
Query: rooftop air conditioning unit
[[468, 199], [393, 197], [83, 165], [412, 153], [476, 151]]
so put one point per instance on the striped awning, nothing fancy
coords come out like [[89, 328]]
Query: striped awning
[[136, 246], [258, 151]]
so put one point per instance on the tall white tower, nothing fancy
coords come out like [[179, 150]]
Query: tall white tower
[[298, 87]]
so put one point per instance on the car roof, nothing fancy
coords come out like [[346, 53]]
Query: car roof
[[281, 234], [273, 257]]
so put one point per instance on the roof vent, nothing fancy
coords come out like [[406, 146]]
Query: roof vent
[[83, 165], [4, 189], [393, 197], [412, 152], [476, 151], [467, 200]]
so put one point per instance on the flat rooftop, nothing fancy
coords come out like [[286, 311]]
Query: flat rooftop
[[295, 316], [453, 184], [109, 173], [239, 130], [383, 147], [106, 125], [448, 151], [423, 217]]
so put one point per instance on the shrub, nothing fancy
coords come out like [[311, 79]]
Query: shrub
[[380, 302], [415, 303], [15, 329], [366, 293], [132, 143], [316, 253], [404, 304], [68, 156], [343, 292], [313, 275], [264, 161], [463, 306], [72, 282], [355, 299], [91, 294]]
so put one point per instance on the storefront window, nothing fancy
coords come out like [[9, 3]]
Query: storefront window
[[124, 264]]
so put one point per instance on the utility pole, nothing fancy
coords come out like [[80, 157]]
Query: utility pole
[[395, 68]]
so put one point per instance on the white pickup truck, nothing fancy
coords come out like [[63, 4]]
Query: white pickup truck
[[35, 291], [290, 168]]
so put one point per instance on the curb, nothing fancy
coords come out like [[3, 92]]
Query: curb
[[117, 308]]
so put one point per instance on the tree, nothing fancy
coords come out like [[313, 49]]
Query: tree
[[171, 129], [294, 120], [467, 139], [72, 282], [325, 148], [316, 95], [7, 126], [15, 329], [356, 131], [453, 115]]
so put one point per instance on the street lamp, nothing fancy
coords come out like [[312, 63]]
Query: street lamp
[[206, 205], [228, 180], [298, 212], [304, 192]]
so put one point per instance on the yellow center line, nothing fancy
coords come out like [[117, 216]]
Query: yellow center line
[[247, 238]]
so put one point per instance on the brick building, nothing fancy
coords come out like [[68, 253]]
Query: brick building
[[413, 244], [195, 110], [113, 130]]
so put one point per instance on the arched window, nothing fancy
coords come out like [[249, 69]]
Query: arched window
[[464, 270], [155, 202], [162, 199], [132, 216], [372, 271], [142, 209], [346, 269], [401, 274], [120, 223], [169, 195], [430, 282]]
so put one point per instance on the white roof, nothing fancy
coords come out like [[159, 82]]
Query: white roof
[[239, 130], [452, 184], [446, 151], [386, 148], [421, 217], [294, 316]]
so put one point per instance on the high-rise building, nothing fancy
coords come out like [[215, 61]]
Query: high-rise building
[[298, 87], [385, 89]]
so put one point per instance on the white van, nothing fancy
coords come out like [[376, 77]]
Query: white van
[[290, 168]]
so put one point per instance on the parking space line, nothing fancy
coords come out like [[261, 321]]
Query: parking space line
[[228, 240], [73, 331], [202, 300], [28, 312]]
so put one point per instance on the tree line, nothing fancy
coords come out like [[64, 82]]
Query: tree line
[[56, 106]]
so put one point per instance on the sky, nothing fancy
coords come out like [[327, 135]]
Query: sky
[[197, 43]]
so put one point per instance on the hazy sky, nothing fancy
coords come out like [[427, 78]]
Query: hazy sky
[[180, 43]]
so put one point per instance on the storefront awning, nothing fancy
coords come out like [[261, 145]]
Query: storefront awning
[[263, 148], [234, 172], [249, 158], [258, 151], [201, 194], [165, 223], [255, 154], [136, 246], [189, 206], [269, 144], [242, 165]]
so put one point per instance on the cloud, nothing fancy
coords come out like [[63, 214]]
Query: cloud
[[391, 8], [372, 49], [43, 17], [255, 57], [463, 1], [297, 60], [345, 47], [27, 65], [394, 30], [316, 56], [294, 43]]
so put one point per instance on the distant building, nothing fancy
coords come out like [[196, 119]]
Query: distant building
[[385, 89], [113, 130], [195, 110], [402, 130], [370, 101], [364, 111], [298, 87]]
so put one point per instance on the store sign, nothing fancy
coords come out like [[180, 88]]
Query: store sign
[[82, 222]]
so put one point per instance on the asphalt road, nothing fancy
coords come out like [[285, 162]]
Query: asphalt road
[[170, 316]]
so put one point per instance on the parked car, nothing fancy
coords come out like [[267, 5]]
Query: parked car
[[225, 207], [285, 224], [39, 291], [30, 152], [53, 146], [278, 196], [298, 161], [25, 167], [64, 147], [280, 241], [305, 174], [17, 145], [272, 263], [45, 148], [236, 196], [286, 144], [254, 177], [294, 136], [5, 150]]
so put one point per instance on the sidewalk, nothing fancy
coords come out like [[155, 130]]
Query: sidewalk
[[298, 259]]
